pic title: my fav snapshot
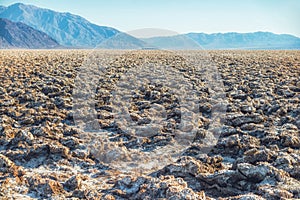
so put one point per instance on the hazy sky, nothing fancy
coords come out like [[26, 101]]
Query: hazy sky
[[182, 16]]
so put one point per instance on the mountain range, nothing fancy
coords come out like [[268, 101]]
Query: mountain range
[[19, 35], [256, 40], [67, 29], [73, 31]]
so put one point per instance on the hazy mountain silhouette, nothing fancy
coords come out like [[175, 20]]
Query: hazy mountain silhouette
[[123, 41], [176, 42], [19, 35], [256, 40]]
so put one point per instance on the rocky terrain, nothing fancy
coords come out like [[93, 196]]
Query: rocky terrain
[[62, 137]]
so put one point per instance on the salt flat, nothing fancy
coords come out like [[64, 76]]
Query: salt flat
[[149, 124]]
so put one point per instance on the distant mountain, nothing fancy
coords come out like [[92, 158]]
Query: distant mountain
[[172, 42], [123, 41], [19, 35], [256, 40], [67, 29], [74, 31]]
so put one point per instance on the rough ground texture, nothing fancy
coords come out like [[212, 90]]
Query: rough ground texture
[[44, 156]]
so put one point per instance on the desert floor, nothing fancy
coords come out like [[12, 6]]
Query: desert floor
[[148, 124]]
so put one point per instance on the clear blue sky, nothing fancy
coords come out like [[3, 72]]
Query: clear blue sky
[[182, 16]]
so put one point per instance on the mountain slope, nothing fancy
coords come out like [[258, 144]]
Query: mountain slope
[[1, 8], [65, 28], [19, 35], [256, 40]]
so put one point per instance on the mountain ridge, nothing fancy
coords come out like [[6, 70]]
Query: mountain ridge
[[230, 40], [20, 35], [68, 29], [74, 31]]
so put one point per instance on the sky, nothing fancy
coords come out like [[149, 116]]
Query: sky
[[183, 16]]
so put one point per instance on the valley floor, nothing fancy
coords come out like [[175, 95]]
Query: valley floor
[[83, 124]]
